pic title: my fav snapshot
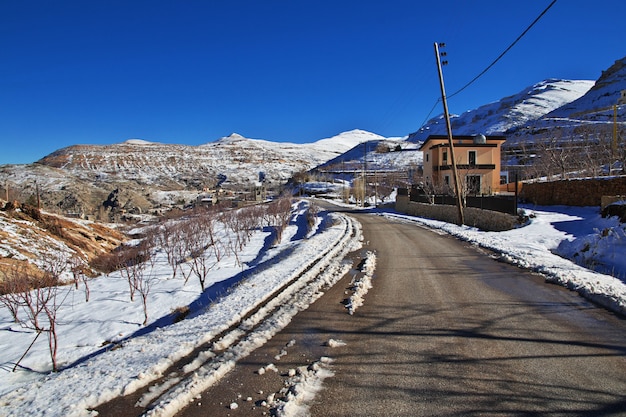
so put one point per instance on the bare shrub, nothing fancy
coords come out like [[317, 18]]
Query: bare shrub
[[180, 313], [78, 269], [279, 213], [34, 300], [172, 241], [311, 217], [204, 248]]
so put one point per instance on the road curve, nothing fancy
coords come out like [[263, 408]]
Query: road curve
[[445, 331]]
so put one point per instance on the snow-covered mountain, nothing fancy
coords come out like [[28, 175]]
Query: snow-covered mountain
[[509, 113], [345, 141], [79, 178], [237, 158], [592, 113], [553, 104], [604, 93]]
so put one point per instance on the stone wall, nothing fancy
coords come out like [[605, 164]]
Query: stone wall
[[574, 192], [482, 219]]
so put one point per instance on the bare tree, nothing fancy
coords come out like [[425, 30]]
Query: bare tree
[[279, 212], [137, 266], [33, 299], [130, 267], [312, 211], [203, 246], [77, 267], [145, 277], [11, 287]]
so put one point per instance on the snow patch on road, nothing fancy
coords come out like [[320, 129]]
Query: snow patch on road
[[302, 389], [363, 285]]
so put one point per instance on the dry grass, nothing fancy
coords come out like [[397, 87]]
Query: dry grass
[[30, 234]]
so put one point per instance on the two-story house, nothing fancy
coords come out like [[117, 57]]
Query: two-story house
[[477, 162]]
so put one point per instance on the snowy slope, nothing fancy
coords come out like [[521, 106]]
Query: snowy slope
[[592, 113], [510, 112], [605, 93], [379, 154], [345, 141]]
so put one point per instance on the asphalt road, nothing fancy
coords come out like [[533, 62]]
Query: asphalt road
[[445, 331]]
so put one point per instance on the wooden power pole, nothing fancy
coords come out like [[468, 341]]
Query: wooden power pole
[[457, 185]]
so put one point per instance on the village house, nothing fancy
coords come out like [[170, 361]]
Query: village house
[[477, 162]]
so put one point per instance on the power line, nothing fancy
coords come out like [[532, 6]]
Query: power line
[[493, 63], [504, 52]]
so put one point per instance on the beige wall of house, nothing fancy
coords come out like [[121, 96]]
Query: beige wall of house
[[477, 159]]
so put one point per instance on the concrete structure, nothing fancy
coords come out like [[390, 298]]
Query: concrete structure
[[483, 219], [478, 162]]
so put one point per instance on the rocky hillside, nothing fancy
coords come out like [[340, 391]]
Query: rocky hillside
[[510, 113], [590, 115], [137, 176], [30, 238], [603, 95]]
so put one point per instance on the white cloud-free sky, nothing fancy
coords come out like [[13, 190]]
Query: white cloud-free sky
[[190, 72]]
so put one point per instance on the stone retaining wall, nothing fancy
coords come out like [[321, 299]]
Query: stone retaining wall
[[574, 192], [482, 219]]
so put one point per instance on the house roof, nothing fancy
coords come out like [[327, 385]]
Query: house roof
[[457, 138]]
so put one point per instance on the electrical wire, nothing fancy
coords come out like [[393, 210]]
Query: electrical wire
[[492, 64], [504, 52]]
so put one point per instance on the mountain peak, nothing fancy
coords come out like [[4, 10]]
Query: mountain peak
[[137, 142], [234, 136]]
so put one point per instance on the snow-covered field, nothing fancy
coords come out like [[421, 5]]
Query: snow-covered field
[[106, 352]]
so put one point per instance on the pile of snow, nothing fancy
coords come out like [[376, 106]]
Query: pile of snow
[[362, 285], [302, 388]]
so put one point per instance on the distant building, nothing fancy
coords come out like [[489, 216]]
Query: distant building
[[260, 192], [622, 98], [206, 199], [477, 162]]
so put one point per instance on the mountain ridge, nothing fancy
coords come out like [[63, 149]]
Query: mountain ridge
[[510, 112], [147, 174]]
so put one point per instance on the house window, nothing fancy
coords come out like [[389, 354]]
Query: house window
[[472, 157], [445, 157], [446, 179], [426, 157]]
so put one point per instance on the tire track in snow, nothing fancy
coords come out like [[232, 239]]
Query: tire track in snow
[[268, 318]]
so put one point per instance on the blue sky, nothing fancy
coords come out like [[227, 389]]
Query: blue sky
[[96, 71]]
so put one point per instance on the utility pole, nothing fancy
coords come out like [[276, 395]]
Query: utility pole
[[614, 143], [38, 198], [457, 186], [364, 173]]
